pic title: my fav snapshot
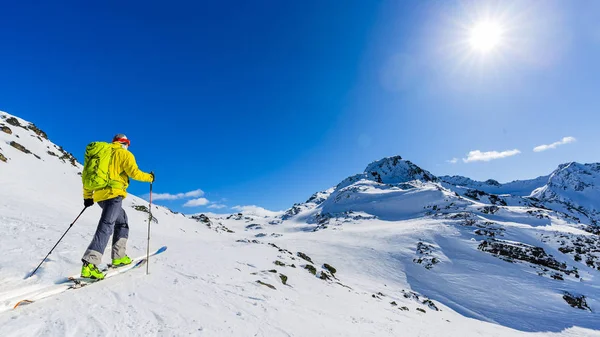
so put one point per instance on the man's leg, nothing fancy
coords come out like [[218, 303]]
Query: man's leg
[[111, 209], [120, 236]]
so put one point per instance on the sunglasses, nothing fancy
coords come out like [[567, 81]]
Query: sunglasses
[[124, 141]]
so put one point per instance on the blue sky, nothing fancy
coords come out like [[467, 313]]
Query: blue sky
[[265, 103]]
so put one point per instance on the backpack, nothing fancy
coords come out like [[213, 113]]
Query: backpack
[[96, 163]]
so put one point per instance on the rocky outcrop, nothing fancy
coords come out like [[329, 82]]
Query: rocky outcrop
[[575, 301], [6, 129], [424, 255], [19, 147], [395, 170], [515, 251]]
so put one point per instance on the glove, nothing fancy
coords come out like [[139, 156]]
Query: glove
[[152, 174], [88, 202]]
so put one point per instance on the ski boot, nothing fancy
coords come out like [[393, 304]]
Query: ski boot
[[125, 260], [91, 271]]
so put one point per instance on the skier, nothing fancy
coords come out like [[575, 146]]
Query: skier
[[121, 167]]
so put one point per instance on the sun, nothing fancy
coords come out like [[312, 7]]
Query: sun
[[485, 36]]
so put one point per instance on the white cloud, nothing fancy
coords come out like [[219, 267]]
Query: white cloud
[[256, 210], [565, 140], [169, 196], [452, 161], [217, 206], [196, 202], [490, 155]]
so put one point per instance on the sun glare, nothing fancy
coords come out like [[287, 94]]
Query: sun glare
[[485, 36]]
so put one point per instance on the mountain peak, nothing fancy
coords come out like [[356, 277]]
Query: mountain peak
[[395, 170]]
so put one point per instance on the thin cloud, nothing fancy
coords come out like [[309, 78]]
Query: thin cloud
[[196, 202], [452, 161], [565, 140], [169, 196], [217, 206], [477, 155], [256, 210]]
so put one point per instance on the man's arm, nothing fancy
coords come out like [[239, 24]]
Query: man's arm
[[130, 167], [88, 194]]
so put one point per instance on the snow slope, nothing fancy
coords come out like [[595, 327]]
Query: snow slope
[[393, 245]]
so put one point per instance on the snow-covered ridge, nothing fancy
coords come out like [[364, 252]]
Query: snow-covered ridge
[[521, 188], [574, 186], [20, 136]]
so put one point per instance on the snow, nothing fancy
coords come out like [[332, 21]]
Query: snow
[[205, 284]]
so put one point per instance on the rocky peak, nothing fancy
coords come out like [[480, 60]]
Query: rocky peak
[[575, 185], [395, 170], [575, 176]]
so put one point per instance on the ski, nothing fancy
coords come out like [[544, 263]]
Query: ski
[[76, 281]]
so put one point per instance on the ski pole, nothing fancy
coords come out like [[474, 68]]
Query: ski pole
[[149, 220], [71, 225]]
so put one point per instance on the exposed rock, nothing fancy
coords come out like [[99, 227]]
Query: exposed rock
[[311, 269], [266, 284], [489, 229], [394, 303], [239, 216], [580, 247], [323, 276], [474, 194], [421, 310], [3, 158], [490, 209], [37, 131], [141, 208], [404, 308], [305, 257], [395, 170], [67, 157], [248, 241], [494, 199], [510, 251], [279, 263], [6, 129], [203, 219], [329, 268], [417, 297], [283, 278], [52, 154], [173, 212], [14, 122], [430, 304], [281, 250], [19, 147], [290, 213], [424, 256], [578, 302]]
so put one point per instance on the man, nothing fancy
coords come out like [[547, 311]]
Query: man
[[122, 167]]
